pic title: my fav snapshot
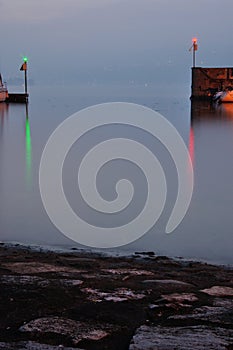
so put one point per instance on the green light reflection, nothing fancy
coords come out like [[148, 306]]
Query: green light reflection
[[28, 150]]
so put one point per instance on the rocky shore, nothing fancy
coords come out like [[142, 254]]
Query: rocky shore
[[83, 300]]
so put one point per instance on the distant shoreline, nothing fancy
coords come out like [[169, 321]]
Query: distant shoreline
[[42, 248]]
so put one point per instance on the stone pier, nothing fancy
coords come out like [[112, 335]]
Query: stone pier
[[207, 81]]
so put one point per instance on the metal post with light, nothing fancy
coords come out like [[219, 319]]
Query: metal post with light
[[194, 47], [24, 68]]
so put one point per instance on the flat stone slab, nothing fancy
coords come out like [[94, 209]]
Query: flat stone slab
[[181, 338], [119, 294], [178, 300], [220, 312], [180, 297], [75, 330], [37, 267], [169, 282], [208, 313], [30, 345], [23, 280], [29, 280], [131, 272], [227, 303], [219, 291]]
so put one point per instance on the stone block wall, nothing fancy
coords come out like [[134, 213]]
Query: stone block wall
[[206, 81]]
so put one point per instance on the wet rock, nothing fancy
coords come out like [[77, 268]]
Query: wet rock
[[212, 314], [123, 274], [120, 294], [227, 303], [94, 276], [110, 280], [145, 253], [75, 330], [177, 301], [132, 272], [169, 282], [23, 280], [219, 291], [38, 281], [153, 306], [71, 282], [78, 259], [173, 301], [37, 267], [180, 298], [181, 338], [30, 345]]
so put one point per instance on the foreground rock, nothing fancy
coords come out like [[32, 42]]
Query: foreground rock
[[212, 314], [81, 300], [74, 330], [219, 291], [181, 338], [32, 346]]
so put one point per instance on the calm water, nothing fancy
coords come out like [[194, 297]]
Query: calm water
[[205, 232]]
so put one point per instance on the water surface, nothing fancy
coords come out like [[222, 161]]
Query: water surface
[[205, 232]]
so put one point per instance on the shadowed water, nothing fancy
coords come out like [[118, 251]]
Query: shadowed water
[[205, 232]]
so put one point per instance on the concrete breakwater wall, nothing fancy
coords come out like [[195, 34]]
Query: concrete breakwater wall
[[207, 81]]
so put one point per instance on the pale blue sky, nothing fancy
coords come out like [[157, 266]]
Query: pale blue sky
[[141, 40]]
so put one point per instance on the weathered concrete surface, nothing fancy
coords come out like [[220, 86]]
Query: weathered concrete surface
[[181, 338]]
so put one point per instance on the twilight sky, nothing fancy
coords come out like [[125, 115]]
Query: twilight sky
[[110, 40]]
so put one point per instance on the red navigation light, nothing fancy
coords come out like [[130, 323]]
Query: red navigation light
[[194, 40]]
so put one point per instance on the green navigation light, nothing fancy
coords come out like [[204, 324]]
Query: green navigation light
[[25, 59]]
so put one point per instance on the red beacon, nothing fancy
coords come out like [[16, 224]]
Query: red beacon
[[194, 40]]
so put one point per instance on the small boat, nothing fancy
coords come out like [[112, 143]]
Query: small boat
[[3, 91], [223, 96]]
